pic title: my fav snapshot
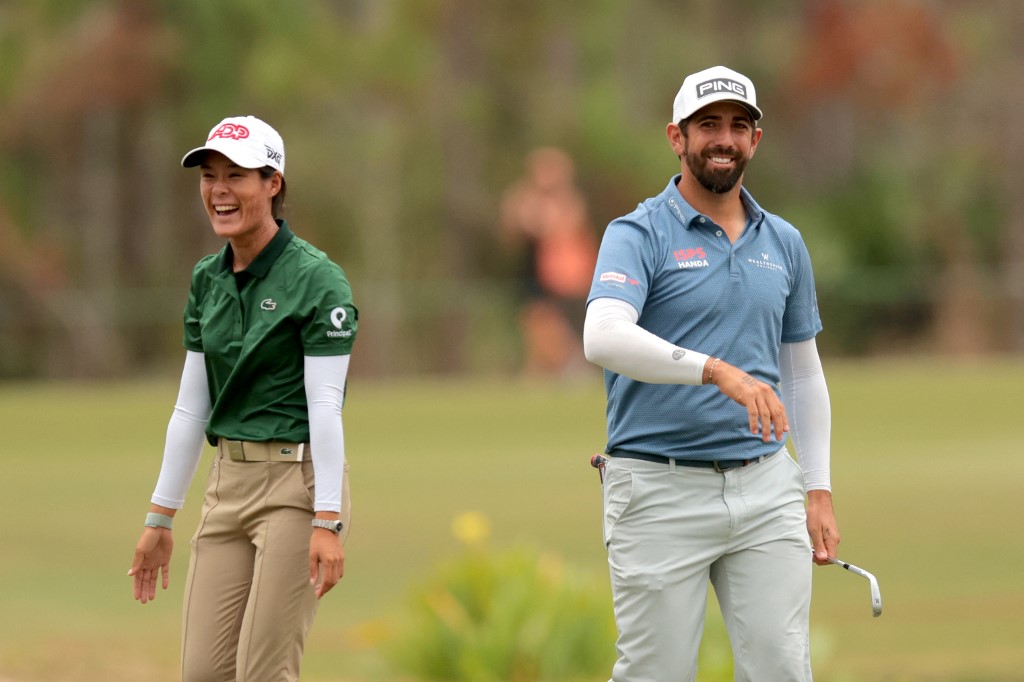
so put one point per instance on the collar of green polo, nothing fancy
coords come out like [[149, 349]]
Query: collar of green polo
[[261, 265]]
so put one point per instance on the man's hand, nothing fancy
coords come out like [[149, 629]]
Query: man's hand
[[152, 555], [767, 414], [821, 526], [326, 560]]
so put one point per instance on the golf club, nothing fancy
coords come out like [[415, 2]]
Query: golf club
[[876, 594]]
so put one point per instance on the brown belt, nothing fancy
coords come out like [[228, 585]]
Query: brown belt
[[267, 451]]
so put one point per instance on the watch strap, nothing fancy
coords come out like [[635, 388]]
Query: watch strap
[[329, 524]]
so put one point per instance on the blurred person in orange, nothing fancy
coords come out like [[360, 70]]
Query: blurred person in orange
[[544, 217]]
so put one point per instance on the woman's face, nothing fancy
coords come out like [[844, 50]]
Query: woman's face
[[236, 199]]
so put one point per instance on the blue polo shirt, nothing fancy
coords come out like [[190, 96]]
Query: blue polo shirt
[[693, 287]]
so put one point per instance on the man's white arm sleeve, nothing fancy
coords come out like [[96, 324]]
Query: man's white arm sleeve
[[325, 393], [186, 433], [612, 339], [805, 397]]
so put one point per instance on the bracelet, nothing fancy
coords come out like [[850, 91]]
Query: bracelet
[[154, 520], [711, 371]]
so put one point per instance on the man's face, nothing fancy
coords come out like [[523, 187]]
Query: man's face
[[716, 145]]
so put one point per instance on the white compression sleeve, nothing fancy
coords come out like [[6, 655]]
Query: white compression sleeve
[[186, 433], [325, 392], [612, 339], [805, 396]]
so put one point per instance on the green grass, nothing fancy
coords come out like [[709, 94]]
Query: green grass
[[927, 472]]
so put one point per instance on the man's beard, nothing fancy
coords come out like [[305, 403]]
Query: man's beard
[[717, 181]]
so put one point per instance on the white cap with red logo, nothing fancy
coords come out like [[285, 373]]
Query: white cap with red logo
[[716, 84], [246, 140]]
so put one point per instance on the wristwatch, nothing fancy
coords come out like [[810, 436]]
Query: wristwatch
[[333, 526]]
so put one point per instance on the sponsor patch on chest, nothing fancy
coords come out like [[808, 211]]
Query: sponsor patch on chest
[[765, 262], [687, 259]]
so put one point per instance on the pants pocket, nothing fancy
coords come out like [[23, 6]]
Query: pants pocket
[[617, 493]]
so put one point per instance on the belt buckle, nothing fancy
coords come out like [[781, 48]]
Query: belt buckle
[[235, 450], [733, 464], [287, 452]]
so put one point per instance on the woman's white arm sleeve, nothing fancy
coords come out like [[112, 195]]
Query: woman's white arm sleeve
[[612, 339], [805, 397], [186, 433], [325, 393]]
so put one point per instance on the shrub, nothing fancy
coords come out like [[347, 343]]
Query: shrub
[[511, 616]]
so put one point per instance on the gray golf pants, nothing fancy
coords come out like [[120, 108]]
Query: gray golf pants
[[669, 529]]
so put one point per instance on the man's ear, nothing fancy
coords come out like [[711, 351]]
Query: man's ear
[[754, 142], [676, 138]]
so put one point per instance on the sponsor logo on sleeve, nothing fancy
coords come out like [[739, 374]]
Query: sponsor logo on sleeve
[[616, 279], [338, 318]]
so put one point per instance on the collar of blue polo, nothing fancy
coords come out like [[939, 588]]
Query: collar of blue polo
[[690, 218], [261, 265]]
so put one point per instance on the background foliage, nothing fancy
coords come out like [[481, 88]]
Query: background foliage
[[891, 142], [509, 616]]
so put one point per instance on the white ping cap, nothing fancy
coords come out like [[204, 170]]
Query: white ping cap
[[716, 84]]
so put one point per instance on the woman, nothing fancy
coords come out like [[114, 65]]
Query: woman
[[269, 327]]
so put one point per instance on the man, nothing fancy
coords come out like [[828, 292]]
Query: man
[[703, 314]]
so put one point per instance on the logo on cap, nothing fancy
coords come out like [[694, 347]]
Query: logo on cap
[[721, 85], [232, 131], [273, 154]]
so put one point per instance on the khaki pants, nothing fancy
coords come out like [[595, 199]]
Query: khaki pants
[[248, 602], [671, 529]]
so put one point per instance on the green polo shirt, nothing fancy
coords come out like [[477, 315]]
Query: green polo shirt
[[254, 329]]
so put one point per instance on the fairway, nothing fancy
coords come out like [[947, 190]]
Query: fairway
[[927, 474]]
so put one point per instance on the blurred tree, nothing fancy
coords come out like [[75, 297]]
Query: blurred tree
[[405, 119], [78, 115], [1007, 101], [886, 134]]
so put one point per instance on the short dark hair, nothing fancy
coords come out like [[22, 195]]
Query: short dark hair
[[277, 203]]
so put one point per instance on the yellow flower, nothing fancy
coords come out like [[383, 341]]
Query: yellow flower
[[471, 528]]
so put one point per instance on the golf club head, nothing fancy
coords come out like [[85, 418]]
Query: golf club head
[[876, 597], [876, 593]]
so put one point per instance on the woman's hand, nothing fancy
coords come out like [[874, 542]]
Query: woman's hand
[[152, 555], [326, 560]]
